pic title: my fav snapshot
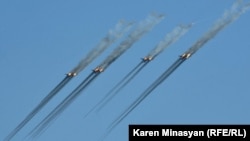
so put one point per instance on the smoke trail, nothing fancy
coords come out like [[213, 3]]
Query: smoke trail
[[122, 85], [137, 34], [38, 107], [62, 106], [154, 85], [123, 79], [169, 39], [117, 88], [111, 37], [228, 17], [108, 96], [142, 29]]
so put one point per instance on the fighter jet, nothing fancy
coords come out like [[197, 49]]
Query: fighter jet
[[185, 55], [147, 58], [71, 74], [98, 70]]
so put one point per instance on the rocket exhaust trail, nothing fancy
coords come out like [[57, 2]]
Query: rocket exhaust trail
[[124, 78], [143, 28], [169, 39], [193, 49], [154, 85], [108, 95], [228, 17], [39, 107], [61, 107], [122, 85], [118, 87], [111, 37]]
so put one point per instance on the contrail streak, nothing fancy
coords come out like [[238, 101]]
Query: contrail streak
[[169, 39], [117, 88], [154, 85], [157, 82], [125, 82], [228, 17], [61, 107], [133, 37], [142, 29], [38, 107], [111, 37]]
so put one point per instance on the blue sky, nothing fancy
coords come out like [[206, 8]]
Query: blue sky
[[41, 41]]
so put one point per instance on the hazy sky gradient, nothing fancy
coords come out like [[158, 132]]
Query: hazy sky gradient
[[41, 41]]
